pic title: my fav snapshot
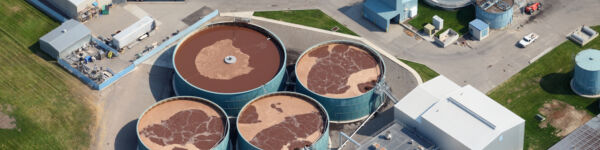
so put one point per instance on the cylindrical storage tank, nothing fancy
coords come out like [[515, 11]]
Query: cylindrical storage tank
[[183, 123], [229, 63], [497, 15], [283, 120], [586, 77], [449, 4], [341, 75]]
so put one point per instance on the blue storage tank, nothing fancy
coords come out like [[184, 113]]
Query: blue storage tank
[[283, 120], [177, 115], [497, 13], [229, 63], [586, 78], [341, 75]]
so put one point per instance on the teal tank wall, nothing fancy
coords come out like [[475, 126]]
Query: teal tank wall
[[346, 109], [586, 77], [224, 144], [321, 144], [233, 102], [495, 20]]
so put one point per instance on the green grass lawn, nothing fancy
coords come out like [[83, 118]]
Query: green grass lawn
[[312, 18], [50, 110], [458, 20], [425, 72], [545, 80]]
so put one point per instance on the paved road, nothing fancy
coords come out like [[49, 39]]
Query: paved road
[[490, 62]]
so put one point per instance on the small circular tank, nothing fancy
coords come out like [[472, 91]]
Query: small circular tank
[[183, 123], [498, 15], [341, 75], [283, 120], [586, 77], [229, 63]]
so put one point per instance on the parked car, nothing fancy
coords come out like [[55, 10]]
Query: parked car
[[528, 39]]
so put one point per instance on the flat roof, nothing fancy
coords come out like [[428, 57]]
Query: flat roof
[[282, 121], [479, 24], [196, 123], [588, 59], [338, 70], [200, 58], [402, 139], [466, 114]]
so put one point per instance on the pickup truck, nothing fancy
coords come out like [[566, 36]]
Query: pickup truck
[[528, 39]]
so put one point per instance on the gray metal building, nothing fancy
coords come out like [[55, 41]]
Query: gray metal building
[[64, 39]]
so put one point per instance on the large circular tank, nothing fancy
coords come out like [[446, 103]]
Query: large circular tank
[[183, 123], [229, 63], [449, 4], [498, 15], [283, 120], [341, 75], [586, 78]]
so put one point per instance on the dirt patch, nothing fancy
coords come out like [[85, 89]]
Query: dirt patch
[[563, 117], [409, 33], [15, 8], [6, 121]]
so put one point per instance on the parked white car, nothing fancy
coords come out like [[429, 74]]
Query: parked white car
[[528, 39]]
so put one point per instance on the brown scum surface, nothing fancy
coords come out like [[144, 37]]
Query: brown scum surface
[[200, 59], [181, 124], [338, 70], [281, 122], [563, 116]]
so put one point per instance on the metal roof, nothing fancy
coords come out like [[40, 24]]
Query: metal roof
[[479, 24], [66, 34], [466, 114], [588, 59], [585, 137]]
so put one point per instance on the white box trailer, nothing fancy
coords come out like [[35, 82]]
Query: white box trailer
[[133, 32]]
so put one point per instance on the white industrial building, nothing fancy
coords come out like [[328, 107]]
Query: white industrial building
[[72, 8], [65, 39], [455, 117]]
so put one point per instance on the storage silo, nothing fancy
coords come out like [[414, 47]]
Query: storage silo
[[341, 75], [586, 77], [283, 120], [183, 123], [497, 13], [229, 63]]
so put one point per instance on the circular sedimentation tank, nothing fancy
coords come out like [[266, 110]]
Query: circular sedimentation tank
[[341, 75], [449, 4], [230, 63], [586, 76], [283, 120], [183, 123], [497, 15]]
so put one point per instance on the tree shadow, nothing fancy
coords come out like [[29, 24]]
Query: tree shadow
[[161, 76], [354, 12], [557, 83], [35, 49], [127, 138]]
